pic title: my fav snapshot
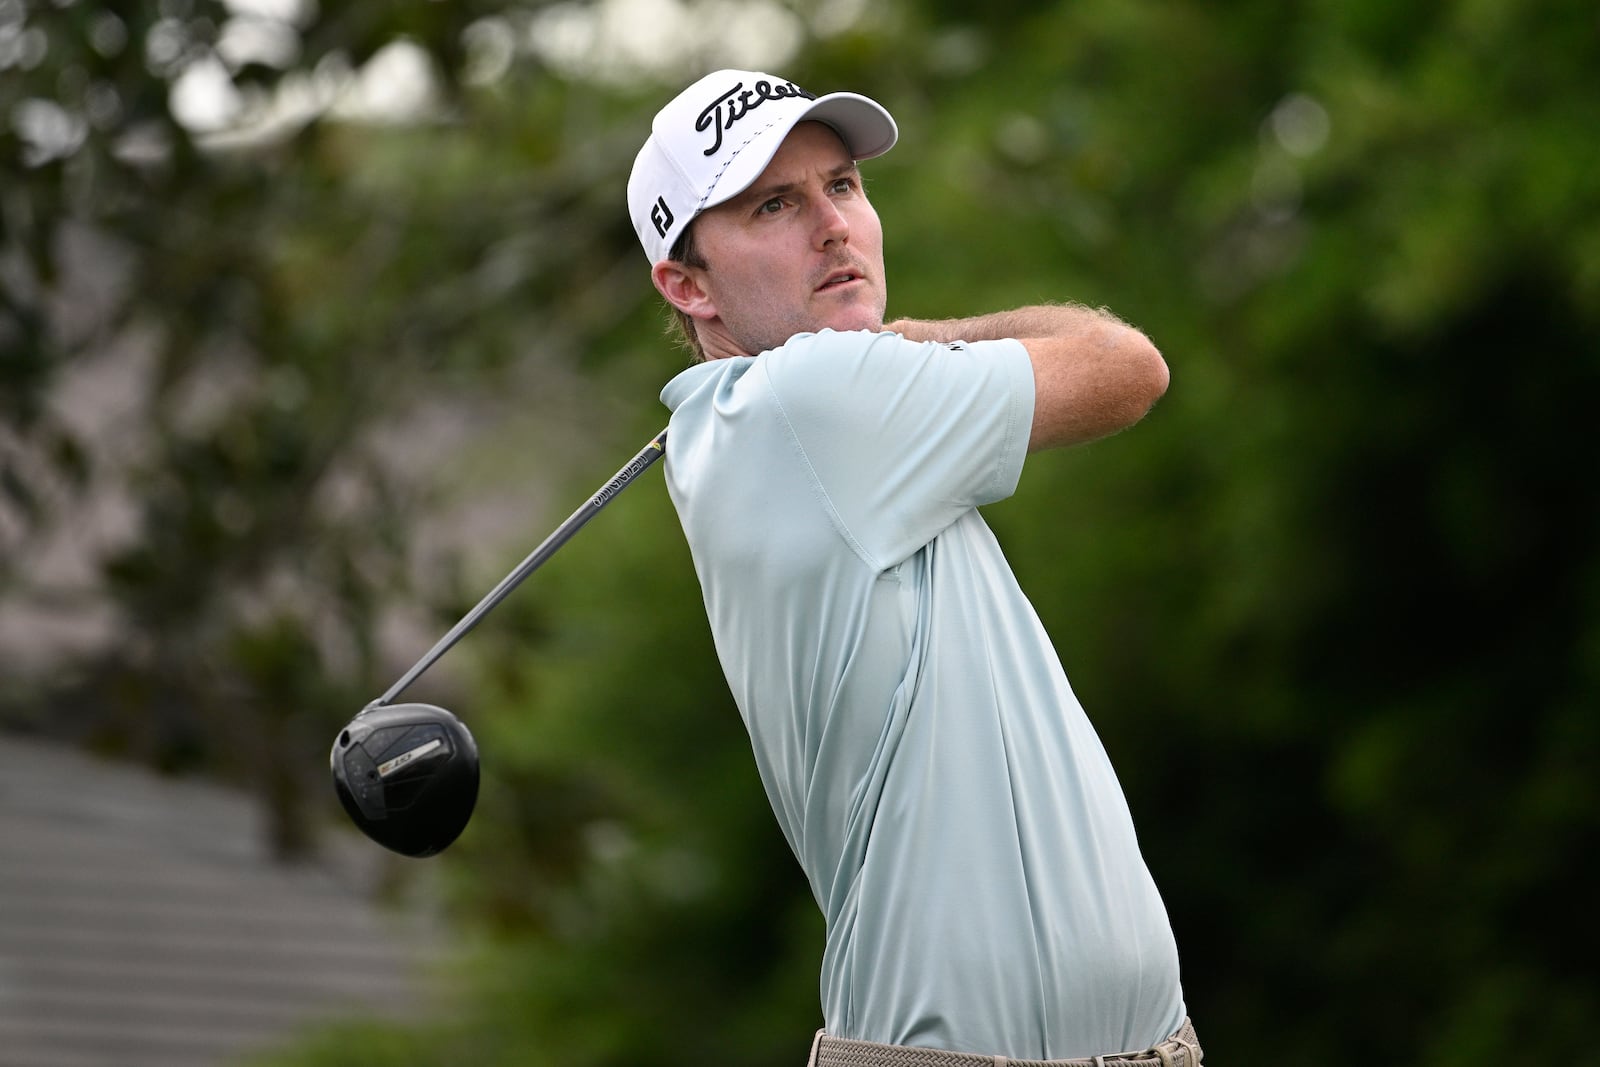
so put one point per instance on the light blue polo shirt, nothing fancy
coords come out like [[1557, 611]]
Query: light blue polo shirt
[[957, 817]]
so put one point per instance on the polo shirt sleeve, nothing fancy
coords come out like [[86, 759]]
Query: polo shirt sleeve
[[900, 438]]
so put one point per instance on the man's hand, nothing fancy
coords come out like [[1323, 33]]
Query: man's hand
[[1093, 373]]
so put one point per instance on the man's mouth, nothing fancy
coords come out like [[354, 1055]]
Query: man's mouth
[[838, 278]]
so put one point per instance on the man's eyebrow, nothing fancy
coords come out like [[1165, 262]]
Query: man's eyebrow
[[760, 194]]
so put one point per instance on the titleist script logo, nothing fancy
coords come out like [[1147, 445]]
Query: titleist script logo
[[738, 102]]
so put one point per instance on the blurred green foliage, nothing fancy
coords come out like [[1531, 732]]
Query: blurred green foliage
[[1334, 607]]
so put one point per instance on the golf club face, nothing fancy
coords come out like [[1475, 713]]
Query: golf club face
[[407, 775]]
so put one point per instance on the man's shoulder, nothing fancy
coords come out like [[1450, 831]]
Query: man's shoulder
[[802, 353], [832, 355], [858, 344], [844, 343], [824, 358]]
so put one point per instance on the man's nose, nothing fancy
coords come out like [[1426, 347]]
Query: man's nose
[[830, 225]]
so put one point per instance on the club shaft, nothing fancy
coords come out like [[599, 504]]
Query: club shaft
[[560, 536]]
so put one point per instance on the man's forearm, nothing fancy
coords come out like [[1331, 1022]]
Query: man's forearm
[[1039, 320], [1093, 373]]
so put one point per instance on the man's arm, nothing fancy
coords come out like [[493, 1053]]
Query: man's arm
[[1093, 373]]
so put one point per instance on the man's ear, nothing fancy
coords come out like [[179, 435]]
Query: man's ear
[[680, 285]]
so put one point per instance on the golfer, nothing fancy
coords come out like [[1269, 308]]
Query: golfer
[[957, 818]]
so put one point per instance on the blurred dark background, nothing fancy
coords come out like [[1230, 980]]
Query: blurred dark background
[[313, 320]]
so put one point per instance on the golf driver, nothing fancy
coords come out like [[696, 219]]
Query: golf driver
[[407, 774]]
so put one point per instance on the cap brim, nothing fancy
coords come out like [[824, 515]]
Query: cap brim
[[868, 131]]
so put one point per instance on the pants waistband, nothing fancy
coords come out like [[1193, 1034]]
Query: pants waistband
[[1182, 1049]]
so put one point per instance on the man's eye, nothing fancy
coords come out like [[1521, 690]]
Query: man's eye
[[843, 185], [770, 207]]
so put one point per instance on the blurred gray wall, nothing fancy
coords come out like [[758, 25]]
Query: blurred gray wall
[[142, 923]]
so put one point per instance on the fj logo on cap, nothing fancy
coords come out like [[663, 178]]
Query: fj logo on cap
[[661, 215], [718, 117]]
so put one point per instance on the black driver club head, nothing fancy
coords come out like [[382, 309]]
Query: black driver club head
[[407, 774]]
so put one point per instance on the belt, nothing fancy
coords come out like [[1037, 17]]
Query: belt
[[1182, 1049]]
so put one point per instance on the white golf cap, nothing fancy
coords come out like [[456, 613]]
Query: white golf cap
[[718, 135]]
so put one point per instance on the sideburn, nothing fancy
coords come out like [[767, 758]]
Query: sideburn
[[686, 252]]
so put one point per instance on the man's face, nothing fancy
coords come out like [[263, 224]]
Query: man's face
[[799, 251]]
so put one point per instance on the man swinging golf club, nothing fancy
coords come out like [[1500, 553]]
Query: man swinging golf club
[[957, 818]]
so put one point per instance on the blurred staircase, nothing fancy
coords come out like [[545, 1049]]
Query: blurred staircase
[[143, 925]]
